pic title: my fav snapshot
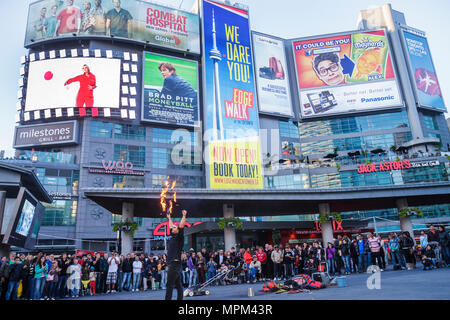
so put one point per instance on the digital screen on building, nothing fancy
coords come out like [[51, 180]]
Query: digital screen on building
[[73, 82], [24, 221], [230, 108], [128, 19], [272, 78], [423, 71], [345, 73], [170, 91]]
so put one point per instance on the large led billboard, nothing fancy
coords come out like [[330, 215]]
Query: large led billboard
[[73, 82], [272, 78], [24, 221], [230, 108], [423, 71], [170, 90], [351, 72], [127, 19]]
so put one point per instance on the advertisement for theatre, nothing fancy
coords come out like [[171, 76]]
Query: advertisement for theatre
[[131, 19], [231, 111], [73, 82], [170, 90], [423, 72], [345, 73], [272, 80]]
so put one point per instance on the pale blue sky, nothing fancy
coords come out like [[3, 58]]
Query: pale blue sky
[[283, 18]]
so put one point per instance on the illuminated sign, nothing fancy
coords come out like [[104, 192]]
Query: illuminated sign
[[46, 134], [158, 232], [395, 165], [117, 167]]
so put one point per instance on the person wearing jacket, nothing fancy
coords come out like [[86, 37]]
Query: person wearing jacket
[[330, 253], [192, 265], [4, 276], [262, 257], [288, 261], [354, 255], [345, 251], [15, 275], [398, 260], [255, 268], [40, 273], [74, 279], [277, 258], [127, 269], [406, 247], [428, 257], [433, 240], [444, 243], [362, 250]]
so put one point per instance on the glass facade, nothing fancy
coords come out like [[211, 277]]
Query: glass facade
[[182, 181], [354, 124], [60, 213], [292, 181], [167, 136], [430, 123], [288, 129], [59, 180], [162, 159], [133, 154], [381, 141], [102, 129], [127, 181], [116, 218], [42, 156]]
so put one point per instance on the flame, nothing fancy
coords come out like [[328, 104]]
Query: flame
[[165, 192]]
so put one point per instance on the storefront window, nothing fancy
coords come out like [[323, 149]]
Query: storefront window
[[126, 181], [116, 218], [101, 129]]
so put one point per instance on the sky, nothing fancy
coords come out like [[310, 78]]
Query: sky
[[282, 18]]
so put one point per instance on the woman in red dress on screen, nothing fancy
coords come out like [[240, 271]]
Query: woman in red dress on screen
[[85, 96]]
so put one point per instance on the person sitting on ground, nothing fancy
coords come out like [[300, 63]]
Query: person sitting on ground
[[428, 258], [255, 269]]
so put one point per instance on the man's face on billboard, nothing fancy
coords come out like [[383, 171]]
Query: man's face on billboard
[[43, 12], [165, 72], [116, 4], [69, 2], [330, 72]]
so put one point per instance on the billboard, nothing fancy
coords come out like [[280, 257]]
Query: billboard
[[67, 83], [24, 221], [129, 19], [272, 78], [345, 73], [170, 92], [55, 133], [423, 71], [230, 108]]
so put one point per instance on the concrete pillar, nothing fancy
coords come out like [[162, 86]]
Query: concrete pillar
[[405, 223], [4, 250], [127, 237], [229, 233], [147, 248], [327, 227]]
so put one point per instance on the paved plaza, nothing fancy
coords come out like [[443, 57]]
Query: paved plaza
[[413, 284]]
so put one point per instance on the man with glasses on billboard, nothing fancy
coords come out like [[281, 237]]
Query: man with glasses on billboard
[[328, 68]]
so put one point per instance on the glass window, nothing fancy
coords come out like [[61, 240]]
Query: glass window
[[288, 129], [162, 159], [182, 181], [133, 154], [60, 213], [167, 136], [116, 218], [128, 131], [126, 181], [101, 129], [430, 122]]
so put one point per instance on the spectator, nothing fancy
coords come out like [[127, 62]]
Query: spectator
[[345, 251], [192, 265], [127, 269], [433, 240], [111, 279], [40, 273], [428, 257], [398, 259], [444, 243], [137, 270], [374, 245], [211, 266], [74, 279], [330, 251], [15, 275], [277, 258], [288, 261], [255, 269], [52, 281], [423, 239]]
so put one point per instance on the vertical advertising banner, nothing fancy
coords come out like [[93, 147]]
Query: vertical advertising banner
[[423, 72], [230, 109], [170, 90], [345, 73], [271, 75], [132, 19]]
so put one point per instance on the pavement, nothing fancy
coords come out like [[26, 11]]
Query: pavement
[[414, 284]]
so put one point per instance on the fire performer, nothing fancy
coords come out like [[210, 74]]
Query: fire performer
[[175, 246]]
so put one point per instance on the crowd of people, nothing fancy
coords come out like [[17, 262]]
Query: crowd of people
[[50, 277]]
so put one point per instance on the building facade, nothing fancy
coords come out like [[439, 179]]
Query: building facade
[[298, 152]]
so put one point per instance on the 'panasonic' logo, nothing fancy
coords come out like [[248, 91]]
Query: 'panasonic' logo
[[377, 99]]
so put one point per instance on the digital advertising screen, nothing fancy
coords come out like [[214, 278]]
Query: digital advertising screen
[[24, 221], [73, 82], [170, 91], [230, 108], [423, 71], [345, 73], [127, 19], [272, 78]]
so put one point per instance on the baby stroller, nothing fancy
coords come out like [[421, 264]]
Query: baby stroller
[[200, 289], [85, 287]]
